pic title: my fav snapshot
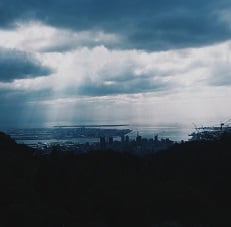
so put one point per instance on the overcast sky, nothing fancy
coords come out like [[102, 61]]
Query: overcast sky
[[124, 61]]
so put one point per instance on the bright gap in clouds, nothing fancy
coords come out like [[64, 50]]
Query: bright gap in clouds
[[93, 82]]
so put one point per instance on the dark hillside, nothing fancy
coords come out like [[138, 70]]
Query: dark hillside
[[187, 185]]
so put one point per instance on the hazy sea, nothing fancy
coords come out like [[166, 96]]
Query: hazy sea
[[175, 133]]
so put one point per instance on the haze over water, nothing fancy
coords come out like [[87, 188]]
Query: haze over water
[[49, 134]]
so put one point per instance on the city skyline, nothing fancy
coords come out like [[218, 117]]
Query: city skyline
[[123, 62]]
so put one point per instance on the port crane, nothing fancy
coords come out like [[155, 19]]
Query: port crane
[[211, 132]]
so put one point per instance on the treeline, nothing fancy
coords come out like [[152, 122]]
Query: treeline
[[187, 185]]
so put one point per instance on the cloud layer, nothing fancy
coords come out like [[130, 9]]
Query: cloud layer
[[142, 24], [89, 60], [19, 65]]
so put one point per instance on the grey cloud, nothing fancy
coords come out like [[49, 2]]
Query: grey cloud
[[144, 24], [221, 76], [15, 112], [132, 85], [23, 108], [68, 40], [18, 65], [124, 78]]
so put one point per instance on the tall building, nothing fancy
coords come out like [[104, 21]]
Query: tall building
[[102, 141], [110, 140], [138, 138], [156, 138]]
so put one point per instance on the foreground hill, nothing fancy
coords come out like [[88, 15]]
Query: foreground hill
[[187, 185]]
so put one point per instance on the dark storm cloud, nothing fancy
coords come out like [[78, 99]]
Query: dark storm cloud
[[18, 65], [143, 24]]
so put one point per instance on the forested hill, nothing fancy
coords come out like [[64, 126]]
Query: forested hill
[[187, 185]]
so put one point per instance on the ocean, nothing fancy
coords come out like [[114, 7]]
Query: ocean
[[91, 133], [175, 133]]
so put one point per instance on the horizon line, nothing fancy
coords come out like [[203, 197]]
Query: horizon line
[[90, 126]]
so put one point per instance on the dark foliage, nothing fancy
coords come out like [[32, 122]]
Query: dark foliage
[[187, 185]]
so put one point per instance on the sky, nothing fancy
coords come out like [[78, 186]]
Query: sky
[[114, 62]]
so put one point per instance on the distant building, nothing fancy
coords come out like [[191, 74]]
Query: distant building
[[110, 140], [138, 140], [102, 141], [156, 138]]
